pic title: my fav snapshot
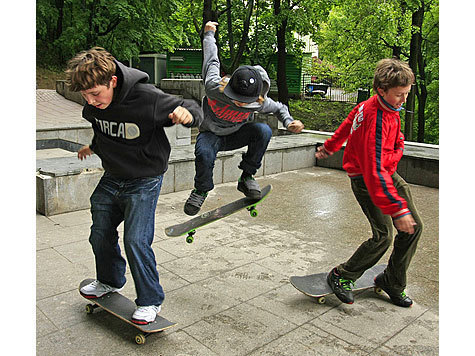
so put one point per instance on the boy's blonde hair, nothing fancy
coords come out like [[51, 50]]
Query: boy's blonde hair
[[391, 73], [90, 68]]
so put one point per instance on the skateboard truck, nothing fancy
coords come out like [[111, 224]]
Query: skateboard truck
[[252, 211], [189, 237]]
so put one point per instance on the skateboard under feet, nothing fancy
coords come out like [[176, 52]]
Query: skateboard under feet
[[123, 308], [315, 285]]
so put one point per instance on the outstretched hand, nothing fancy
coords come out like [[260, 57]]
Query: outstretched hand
[[85, 151], [295, 126], [322, 152], [210, 26], [181, 115]]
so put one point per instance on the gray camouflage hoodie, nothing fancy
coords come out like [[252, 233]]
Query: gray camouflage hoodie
[[221, 116]]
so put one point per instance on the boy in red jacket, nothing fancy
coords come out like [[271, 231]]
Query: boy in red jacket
[[375, 146]]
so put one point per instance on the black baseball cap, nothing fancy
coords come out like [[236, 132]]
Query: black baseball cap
[[245, 85]]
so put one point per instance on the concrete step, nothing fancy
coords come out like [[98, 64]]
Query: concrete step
[[65, 184]]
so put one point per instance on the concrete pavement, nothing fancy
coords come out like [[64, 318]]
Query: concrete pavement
[[229, 291]]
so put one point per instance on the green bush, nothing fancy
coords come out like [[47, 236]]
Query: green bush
[[320, 115]]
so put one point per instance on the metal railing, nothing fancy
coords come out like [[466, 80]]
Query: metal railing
[[330, 89]]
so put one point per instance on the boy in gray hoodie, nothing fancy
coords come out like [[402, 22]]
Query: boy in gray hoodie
[[228, 109]]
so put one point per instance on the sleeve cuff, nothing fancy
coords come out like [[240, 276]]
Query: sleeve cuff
[[287, 122], [327, 151], [401, 213]]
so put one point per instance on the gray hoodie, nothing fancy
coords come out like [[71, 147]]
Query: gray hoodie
[[221, 116]]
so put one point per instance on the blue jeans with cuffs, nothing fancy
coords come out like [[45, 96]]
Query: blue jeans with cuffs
[[254, 135], [132, 201]]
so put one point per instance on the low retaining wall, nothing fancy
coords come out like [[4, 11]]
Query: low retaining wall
[[419, 163], [65, 184]]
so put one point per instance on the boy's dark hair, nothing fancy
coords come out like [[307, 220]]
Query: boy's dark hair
[[90, 68], [391, 73]]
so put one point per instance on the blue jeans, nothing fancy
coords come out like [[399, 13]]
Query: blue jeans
[[132, 201], [254, 135]]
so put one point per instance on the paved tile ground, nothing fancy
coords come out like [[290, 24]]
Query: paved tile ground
[[229, 291], [54, 111]]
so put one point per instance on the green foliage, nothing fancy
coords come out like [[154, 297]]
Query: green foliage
[[430, 31], [358, 33], [323, 70], [123, 27], [320, 115], [302, 17], [129, 27], [352, 34]]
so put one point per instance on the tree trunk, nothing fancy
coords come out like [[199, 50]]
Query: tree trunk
[[422, 94], [422, 98], [91, 36], [210, 14], [281, 57], [242, 43], [230, 29], [59, 23], [415, 52]]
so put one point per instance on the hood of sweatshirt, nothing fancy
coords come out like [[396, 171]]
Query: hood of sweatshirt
[[130, 77]]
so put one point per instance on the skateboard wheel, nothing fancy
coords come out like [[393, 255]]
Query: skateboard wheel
[[321, 300], [90, 308], [140, 339], [378, 290], [253, 212], [189, 239]]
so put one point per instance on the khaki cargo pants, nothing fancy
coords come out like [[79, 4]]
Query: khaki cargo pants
[[371, 251]]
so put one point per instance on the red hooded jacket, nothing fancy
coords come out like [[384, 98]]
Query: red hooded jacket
[[374, 148]]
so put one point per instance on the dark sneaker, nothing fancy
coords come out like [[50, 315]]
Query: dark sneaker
[[249, 186], [400, 299], [341, 287], [194, 202]]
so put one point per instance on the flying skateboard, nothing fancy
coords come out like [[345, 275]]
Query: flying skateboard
[[189, 227], [315, 285], [123, 308]]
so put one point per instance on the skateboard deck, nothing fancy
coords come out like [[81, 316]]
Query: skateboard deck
[[315, 285], [123, 308], [189, 227]]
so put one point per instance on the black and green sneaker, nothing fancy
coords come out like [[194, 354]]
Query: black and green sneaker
[[194, 202], [340, 286], [248, 185], [398, 298]]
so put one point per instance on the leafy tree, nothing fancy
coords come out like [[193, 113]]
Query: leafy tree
[[124, 27], [352, 36], [253, 31], [357, 34], [247, 31]]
